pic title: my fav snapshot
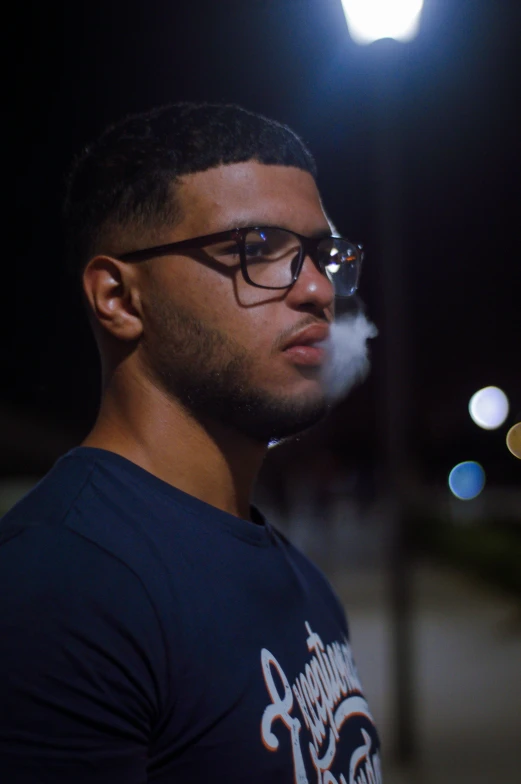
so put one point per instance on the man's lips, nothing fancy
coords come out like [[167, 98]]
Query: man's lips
[[302, 348], [316, 333]]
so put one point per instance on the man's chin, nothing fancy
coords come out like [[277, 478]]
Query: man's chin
[[275, 420]]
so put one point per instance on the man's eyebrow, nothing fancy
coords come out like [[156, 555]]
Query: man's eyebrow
[[243, 224], [321, 233]]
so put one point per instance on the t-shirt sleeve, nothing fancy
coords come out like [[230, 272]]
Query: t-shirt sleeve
[[82, 658]]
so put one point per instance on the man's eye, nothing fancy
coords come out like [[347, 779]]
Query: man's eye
[[232, 251], [256, 250]]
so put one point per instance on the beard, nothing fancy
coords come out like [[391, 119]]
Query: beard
[[210, 374]]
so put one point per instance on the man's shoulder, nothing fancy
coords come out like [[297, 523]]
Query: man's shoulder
[[58, 546], [88, 491], [79, 508], [83, 627], [89, 517], [50, 500], [42, 525]]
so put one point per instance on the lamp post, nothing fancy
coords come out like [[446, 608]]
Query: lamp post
[[370, 21]]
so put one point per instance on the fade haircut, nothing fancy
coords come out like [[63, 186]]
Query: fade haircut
[[124, 182]]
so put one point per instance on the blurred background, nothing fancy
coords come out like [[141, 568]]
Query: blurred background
[[417, 146]]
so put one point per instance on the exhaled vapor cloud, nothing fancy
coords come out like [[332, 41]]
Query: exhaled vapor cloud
[[348, 360]]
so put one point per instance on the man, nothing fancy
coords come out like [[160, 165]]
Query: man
[[155, 628]]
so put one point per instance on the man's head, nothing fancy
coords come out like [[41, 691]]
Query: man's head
[[188, 321]]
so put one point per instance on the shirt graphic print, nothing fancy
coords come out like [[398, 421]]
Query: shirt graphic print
[[322, 700]]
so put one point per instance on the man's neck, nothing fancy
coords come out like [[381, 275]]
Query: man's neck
[[212, 463]]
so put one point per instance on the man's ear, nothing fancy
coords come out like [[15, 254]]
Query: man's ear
[[112, 293]]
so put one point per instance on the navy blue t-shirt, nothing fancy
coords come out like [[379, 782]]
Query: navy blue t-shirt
[[146, 636]]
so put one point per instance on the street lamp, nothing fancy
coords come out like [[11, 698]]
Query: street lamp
[[370, 21]]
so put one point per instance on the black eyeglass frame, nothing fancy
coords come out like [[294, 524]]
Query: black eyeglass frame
[[308, 247]]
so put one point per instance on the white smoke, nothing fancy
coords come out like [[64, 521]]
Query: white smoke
[[348, 360], [347, 357]]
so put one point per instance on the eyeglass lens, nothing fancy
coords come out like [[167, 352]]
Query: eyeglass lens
[[341, 262]]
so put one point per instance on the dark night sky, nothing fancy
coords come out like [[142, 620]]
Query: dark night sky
[[81, 65]]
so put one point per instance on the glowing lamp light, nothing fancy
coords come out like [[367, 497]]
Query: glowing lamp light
[[489, 407], [467, 480], [370, 20]]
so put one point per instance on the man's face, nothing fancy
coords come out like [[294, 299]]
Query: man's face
[[215, 343]]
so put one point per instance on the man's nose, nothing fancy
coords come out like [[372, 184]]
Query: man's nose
[[312, 287]]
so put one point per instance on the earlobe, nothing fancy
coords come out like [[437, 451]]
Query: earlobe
[[109, 288]]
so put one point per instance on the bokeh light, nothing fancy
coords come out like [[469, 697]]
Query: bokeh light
[[467, 480], [514, 440], [489, 407]]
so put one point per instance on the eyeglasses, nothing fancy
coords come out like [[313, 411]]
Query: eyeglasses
[[271, 257]]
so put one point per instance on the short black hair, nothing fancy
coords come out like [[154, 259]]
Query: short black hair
[[126, 178]]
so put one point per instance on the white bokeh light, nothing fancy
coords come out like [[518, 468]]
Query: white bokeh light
[[370, 20], [489, 407]]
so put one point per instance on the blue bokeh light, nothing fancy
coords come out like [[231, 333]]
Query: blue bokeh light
[[467, 480]]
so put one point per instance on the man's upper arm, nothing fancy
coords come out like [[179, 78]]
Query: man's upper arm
[[80, 653]]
